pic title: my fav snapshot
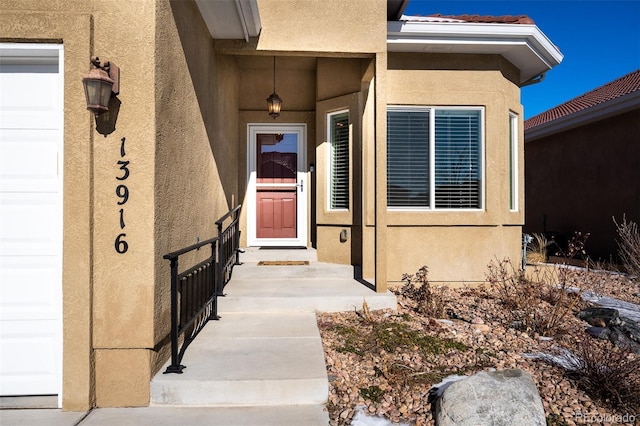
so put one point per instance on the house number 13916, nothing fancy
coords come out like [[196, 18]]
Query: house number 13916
[[122, 192]]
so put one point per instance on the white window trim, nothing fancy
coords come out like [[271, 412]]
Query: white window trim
[[513, 162], [329, 169], [432, 159]]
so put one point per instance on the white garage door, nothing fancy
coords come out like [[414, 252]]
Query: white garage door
[[31, 117]]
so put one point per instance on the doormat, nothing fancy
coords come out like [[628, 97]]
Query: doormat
[[283, 262]]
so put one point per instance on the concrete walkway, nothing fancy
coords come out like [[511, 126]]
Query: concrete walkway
[[261, 364]]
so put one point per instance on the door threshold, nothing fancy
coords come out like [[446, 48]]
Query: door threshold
[[282, 248]]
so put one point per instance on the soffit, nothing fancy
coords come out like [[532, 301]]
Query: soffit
[[231, 19], [525, 46]]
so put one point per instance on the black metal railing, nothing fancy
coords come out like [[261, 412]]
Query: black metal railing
[[228, 246], [195, 291]]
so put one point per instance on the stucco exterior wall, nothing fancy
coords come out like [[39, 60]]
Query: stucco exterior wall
[[339, 89], [457, 245], [323, 26], [99, 284], [577, 180], [455, 255], [174, 121], [196, 95], [25, 21]]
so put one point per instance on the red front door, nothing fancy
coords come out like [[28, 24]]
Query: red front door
[[276, 185]]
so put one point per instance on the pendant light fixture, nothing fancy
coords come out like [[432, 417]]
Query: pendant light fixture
[[274, 103]]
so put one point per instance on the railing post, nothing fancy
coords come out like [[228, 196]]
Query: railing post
[[220, 262], [175, 366], [214, 281], [236, 237]]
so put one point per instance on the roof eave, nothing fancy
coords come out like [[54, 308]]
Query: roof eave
[[525, 46], [231, 19], [607, 109]]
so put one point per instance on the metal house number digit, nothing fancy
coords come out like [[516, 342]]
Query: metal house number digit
[[122, 192]]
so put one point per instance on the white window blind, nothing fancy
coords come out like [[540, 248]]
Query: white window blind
[[434, 158], [408, 158], [457, 162], [339, 161]]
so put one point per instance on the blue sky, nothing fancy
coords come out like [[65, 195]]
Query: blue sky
[[600, 41]]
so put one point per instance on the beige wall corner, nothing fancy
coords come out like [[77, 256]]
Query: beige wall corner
[[122, 377]]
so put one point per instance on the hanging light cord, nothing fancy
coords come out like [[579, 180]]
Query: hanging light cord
[[274, 74]]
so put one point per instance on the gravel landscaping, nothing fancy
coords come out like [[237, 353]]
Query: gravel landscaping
[[386, 361]]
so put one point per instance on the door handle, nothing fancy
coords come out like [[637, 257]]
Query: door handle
[[301, 185]]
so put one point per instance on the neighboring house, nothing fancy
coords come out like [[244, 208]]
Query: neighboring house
[[399, 144], [583, 166]]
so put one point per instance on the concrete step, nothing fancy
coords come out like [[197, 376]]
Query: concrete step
[[285, 415], [255, 254], [314, 270], [291, 295], [317, 287], [250, 359]]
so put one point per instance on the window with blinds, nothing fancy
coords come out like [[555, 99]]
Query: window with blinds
[[338, 160], [434, 158], [513, 162], [408, 158], [457, 162]]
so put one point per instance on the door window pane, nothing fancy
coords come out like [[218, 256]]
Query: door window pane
[[277, 157]]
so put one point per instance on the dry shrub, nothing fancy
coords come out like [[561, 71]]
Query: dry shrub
[[605, 372], [537, 249], [628, 245], [427, 301], [538, 304]]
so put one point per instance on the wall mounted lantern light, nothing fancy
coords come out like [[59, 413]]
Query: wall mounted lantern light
[[100, 84], [274, 103]]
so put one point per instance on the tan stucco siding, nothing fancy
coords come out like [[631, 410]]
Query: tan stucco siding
[[197, 147], [323, 25], [115, 308], [456, 245], [454, 255], [74, 31]]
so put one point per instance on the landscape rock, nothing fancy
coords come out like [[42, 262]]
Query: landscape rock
[[609, 324], [503, 397]]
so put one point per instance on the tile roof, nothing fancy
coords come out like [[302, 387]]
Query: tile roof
[[615, 89], [504, 19]]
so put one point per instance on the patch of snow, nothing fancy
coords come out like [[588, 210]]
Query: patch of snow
[[363, 419], [438, 389], [565, 359], [411, 18], [627, 310]]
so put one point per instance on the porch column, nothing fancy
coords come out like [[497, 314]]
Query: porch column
[[381, 172]]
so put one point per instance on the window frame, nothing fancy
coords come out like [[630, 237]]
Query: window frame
[[514, 202], [330, 150], [432, 110]]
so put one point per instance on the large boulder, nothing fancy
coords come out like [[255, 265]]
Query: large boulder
[[504, 397]]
